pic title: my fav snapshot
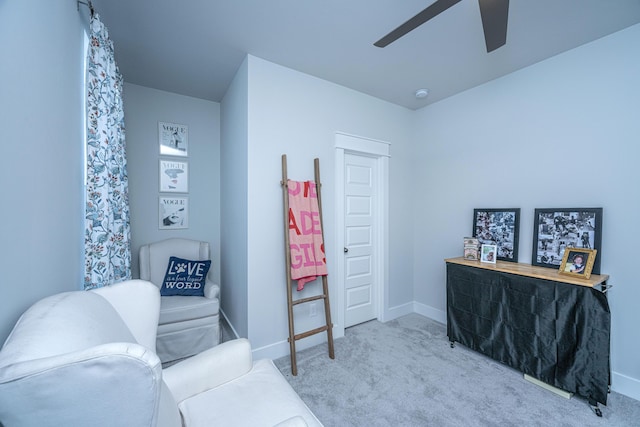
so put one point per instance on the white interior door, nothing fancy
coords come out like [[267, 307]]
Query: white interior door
[[360, 180]]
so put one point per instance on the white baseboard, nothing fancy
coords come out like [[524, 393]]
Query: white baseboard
[[430, 312], [397, 311], [418, 308], [625, 385], [235, 333], [281, 348]]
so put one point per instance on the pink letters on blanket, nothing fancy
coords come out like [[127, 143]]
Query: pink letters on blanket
[[305, 233]]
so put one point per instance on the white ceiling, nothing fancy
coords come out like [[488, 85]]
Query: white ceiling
[[194, 47]]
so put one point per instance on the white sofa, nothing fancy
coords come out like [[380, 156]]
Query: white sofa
[[87, 358]]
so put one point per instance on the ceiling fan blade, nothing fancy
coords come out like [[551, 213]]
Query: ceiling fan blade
[[434, 10], [495, 14]]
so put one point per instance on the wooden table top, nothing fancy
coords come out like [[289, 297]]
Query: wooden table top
[[532, 271]]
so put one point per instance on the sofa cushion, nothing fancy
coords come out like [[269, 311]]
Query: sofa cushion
[[180, 308], [185, 277], [263, 397]]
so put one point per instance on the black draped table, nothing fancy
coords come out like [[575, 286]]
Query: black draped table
[[550, 326]]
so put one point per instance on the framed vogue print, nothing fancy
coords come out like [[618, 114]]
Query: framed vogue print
[[174, 176], [173, 139], [578, 262], [173, 213], [557, 229], [500, 227]]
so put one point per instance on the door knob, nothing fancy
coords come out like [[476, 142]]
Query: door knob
[[346, 250]]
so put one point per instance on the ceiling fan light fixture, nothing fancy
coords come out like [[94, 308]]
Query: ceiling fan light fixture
[[422, 93], [494, 14]]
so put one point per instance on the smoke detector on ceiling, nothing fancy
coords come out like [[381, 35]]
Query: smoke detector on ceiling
[[422, 93]]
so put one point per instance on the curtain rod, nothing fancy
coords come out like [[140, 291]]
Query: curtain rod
[[86, 3]]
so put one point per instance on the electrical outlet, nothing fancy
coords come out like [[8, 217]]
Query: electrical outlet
[[312, 309]]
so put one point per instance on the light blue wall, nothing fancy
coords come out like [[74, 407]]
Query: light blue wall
[[41, 110], [562, 133], [144, 108], [298, 115], [234, 177]]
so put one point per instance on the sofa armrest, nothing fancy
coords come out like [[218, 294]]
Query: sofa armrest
[[115, 379], [211, 290], [209, 369], [138, 304]]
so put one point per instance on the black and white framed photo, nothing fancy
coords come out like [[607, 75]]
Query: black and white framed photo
[[173, 213], [174, 176], [173, 139], [500, 227], [558, 229]]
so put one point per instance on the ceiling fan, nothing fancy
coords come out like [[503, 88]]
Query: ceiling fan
[[494, 15]]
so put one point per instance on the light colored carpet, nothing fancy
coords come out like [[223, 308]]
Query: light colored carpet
[[404, 373]]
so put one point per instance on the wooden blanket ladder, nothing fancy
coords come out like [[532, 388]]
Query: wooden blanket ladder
[[328, 327]]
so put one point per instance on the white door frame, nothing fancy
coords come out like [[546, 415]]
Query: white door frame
[[378, 150]]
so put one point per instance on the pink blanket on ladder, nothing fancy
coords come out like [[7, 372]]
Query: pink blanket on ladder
[[305, 233]]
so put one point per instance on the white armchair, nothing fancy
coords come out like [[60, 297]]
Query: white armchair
[[86, 358], [187, 324]]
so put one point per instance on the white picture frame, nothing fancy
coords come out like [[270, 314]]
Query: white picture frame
[[173, 213], [174, 176], [173, 139], [489, 253]]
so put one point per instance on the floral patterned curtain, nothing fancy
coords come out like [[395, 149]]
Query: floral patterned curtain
[[107, 231]]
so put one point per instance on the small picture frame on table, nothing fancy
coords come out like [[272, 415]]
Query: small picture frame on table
[[488, 253], [578, 262], [471, 246]]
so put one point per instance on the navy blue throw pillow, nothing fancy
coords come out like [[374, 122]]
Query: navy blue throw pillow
[[185, 277]]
